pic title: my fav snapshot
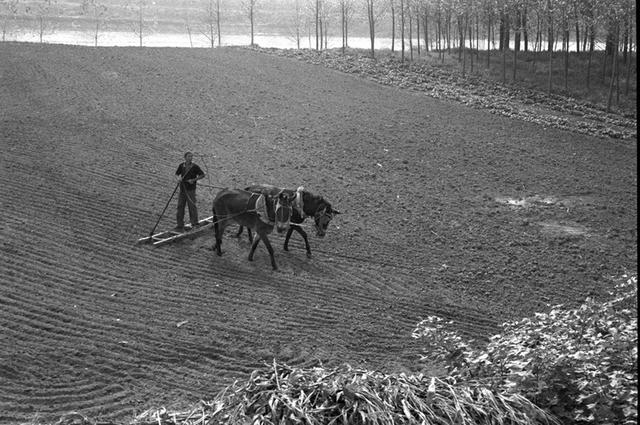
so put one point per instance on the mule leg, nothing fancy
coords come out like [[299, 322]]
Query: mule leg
[[270, 249], [304, 236], [253, 247], [248, 233], [218, 231], [286, 238]]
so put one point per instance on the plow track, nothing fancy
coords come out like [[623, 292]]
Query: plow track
[[92, 322]]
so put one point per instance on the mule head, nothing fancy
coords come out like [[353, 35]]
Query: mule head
[[323, 217], [283, 208]]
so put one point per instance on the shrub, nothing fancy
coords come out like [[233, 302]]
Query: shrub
[[581, 364], [280, 394]]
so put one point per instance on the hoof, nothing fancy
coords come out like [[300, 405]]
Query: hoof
[[308, 255]]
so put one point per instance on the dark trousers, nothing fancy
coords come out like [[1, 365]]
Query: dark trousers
[[187, 198]]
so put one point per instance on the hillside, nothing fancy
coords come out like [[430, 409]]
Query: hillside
[[447, 210]]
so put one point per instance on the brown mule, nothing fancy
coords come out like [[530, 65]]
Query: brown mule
[[260, 212], [306, 204]]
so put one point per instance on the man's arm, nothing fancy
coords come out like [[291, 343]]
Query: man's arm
[[199, 175]]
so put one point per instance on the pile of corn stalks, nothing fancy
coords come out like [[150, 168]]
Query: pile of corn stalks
[[279, 394]]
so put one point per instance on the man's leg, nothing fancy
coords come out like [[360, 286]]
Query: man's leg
[[182, 201], [193, 209]]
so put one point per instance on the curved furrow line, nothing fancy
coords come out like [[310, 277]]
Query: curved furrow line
[[78, 360], [84, 278], [474, 321], [48, 262], [45, 331], [77, 390], [101, 405], [468, 322], [72, 205], [471, 321], [130, 181], [272, 314], [45, 315], [113, 364], [43, 244], [42, 322], [165, 356], [147, 345], [363, 287], [62, 283], [389, 259], [465, 317]]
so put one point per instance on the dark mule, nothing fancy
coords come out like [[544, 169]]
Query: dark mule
[[260, 212], [305, 205]]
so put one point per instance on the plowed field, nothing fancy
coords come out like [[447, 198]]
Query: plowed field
[[446, 211]]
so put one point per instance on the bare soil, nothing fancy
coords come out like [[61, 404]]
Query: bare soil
[[448, 210]]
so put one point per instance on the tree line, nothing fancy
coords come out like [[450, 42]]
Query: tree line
[[501, 29]]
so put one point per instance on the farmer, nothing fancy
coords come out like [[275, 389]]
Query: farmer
[[187, 175]]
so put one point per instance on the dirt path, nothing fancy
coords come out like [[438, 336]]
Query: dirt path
[[447, 210]]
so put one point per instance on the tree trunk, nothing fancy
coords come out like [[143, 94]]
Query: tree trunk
[[525, 29], [565, 37], [535, 44], [515, 64], [218, 24], [140, 23], [372, 31], [626, 89], [591, 47], [471, 51], [251, 19], [402, 28], [343, 19], [418, 30], [410, 36], [317, 13], [517, 33], [462, 47], [346, 31], [507, 32], [550, 49], [393, 26], [504, 59], [614, 69], [426, 28], [448, 32], [326, 34], [461, 36], [577, 18], [501, 30], [489, 42]]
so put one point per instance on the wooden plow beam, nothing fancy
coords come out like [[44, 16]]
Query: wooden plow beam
[[170, 236]]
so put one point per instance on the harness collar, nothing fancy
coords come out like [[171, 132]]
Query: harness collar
[[299, 203]]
